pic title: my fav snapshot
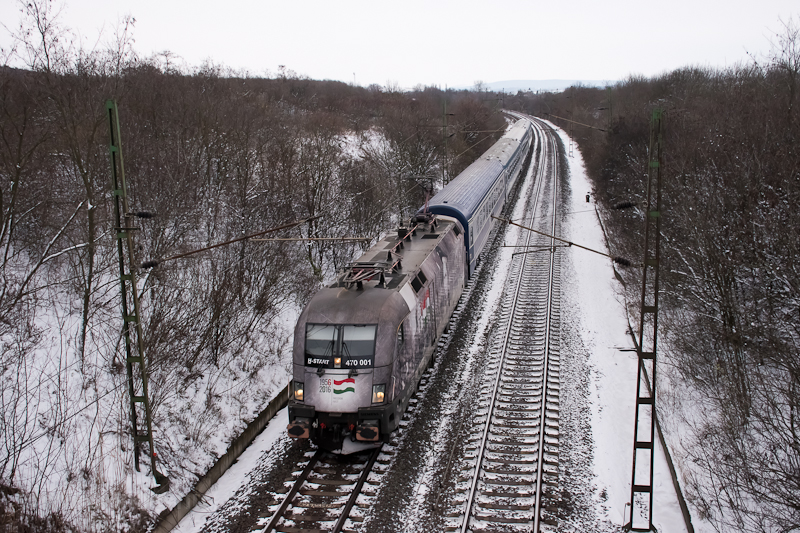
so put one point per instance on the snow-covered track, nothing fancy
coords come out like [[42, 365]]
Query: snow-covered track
[[513, 453], [322, 496]]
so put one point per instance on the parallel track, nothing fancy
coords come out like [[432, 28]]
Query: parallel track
[[515, 468]]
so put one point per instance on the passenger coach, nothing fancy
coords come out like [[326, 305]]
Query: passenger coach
[[482, 189]]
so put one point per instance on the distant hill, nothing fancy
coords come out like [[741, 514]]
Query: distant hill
[[543, 85]]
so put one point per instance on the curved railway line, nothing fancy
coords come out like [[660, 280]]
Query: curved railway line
[[513, 451]]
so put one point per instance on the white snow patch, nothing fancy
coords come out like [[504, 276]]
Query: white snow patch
[[236, 476]]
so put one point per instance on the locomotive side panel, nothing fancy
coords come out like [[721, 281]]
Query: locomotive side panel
[[433, 295]]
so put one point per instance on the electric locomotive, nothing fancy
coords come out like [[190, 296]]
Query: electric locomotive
[[362, 344]]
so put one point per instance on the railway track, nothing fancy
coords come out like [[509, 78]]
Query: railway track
[[512, 456], [322, 496]]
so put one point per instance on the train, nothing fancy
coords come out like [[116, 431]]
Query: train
[[362, 343]]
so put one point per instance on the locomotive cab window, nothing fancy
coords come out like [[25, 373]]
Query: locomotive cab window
[[358, 341], [419, 281], [321, 340], [340, 346]]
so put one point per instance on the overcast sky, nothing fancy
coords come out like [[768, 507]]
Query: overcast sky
[[438, 42]]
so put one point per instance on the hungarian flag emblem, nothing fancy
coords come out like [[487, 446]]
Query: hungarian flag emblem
[[345, 385]]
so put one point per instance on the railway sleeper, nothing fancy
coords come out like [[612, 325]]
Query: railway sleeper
[[530, 416], [506, 449], [531, 382], [520, 395], [520, 358], [316, 505], [504, 457], [526, 506], [531, 392], [516, 493], [304, 516], [513, 446], [551, 469], [517, 432], [550, 460], [327, 470], [508, 471], [522, 375], [323, 493], [517, 437], [551, 508], [515, 378], [524, 406], [550, 482], [331, 482], [506, 528], [503, 519], [522, 353], [508, 459], [551, 427], [515, 482], [508, 424], [522, 371]]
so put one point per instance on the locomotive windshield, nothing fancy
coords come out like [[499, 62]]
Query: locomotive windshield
[[320, 339], [335, 346]]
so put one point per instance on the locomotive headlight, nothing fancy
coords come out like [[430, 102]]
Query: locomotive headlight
[[337, 362], [378, 393], [298, 391]]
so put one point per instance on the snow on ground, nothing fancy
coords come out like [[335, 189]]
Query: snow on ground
[[603, 329], [236, 476]]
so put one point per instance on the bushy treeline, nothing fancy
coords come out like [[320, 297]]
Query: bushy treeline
[[215, 155], [730, 271]]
